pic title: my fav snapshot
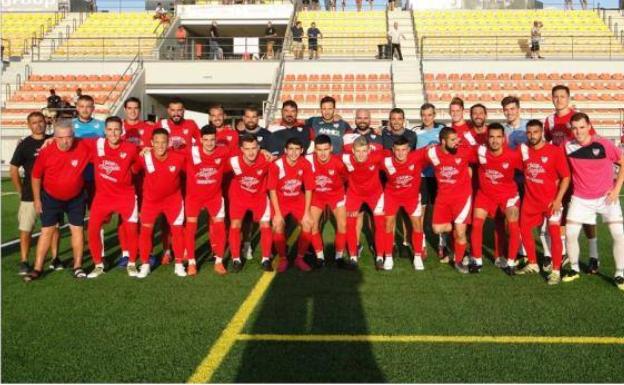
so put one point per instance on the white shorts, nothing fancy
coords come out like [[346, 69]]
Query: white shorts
[[585, 211]]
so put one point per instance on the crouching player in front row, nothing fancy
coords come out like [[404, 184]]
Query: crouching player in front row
[[290, 186]]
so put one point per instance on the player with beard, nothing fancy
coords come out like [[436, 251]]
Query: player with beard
[[451, 212], [205, 165], [250, 121], [478, 129], [362, 128], [497, 190], [290, 184], [558, 130], [329, 193], [226, 135], [289, 127], [112, 160], [546, 180], [162, 194]]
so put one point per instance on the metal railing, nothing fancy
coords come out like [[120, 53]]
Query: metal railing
[[134, 69], [518, 47]]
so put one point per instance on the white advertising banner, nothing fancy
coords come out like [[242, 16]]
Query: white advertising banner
[[221, 13], [29, 5]]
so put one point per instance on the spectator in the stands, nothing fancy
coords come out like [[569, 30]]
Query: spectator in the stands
[[77, 96], [395, 36], [313, 35], [216, 51], [391, 5], [52, 107], [297, 34], [181, 41], [270, 36], [536, 37]]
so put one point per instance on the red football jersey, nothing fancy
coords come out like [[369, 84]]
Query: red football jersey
[[452, 171], [462, 128], [350, 137], [62, 170], [543, 169], [329, 177], [204, 172], [363, 178], [496, 173], [162, 177], [404, 178], [558, 129], [136, 133], [475, 139], [249, 180], [113, 167], [290, 181], [181, 136], [228, 137]]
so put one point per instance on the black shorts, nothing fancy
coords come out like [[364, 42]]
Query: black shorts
[[535, 46], [313, 46], [53, 210], [428, 190]]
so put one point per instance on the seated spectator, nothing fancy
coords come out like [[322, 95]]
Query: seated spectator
[[161, 14], [54, 103], [77, 96]]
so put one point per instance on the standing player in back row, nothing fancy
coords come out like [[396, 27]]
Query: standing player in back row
[[591, 161], [329, 124]]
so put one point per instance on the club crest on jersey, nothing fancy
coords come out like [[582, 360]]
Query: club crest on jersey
[[371, 167], [330, 172], [259, 172], [458, 161], [185, 131], [74, 162], [596, 151], [300, 172], [544, 159], [123, 155], [336, 125], [260, 139], [172, 168], [141, 131], [505, 165], [229, 138], [218, 161], [411, 167]]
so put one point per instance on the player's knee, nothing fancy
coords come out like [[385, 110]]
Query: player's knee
[[572, 230]]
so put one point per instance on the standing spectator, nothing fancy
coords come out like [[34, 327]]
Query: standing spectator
[[297, 33], [391, 5], [306, 4], [215, 50], [270, 35], [315, 5], [181, 36], [536, 37], [568, 5], [358, 5], [24, 156], [395, 36], [370, 4], [313, 35], [583, 4]]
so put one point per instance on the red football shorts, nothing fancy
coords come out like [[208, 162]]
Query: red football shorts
[[533, 215], [172, 207], [455, 210], [126, 207], [333, 202], [492, 204], [215, 206], [411, 205], [374, 201], [295, 208], [259, 207]]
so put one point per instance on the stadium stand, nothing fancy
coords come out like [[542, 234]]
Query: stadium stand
[[352, 34], [113, 35], [19, 28], [351, 90], [601, 95], [468, 33], [105, 89]]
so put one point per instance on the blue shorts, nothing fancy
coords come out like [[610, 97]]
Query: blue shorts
[[53, 210]]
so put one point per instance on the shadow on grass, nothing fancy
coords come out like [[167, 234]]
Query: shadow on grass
[[323, 301]]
